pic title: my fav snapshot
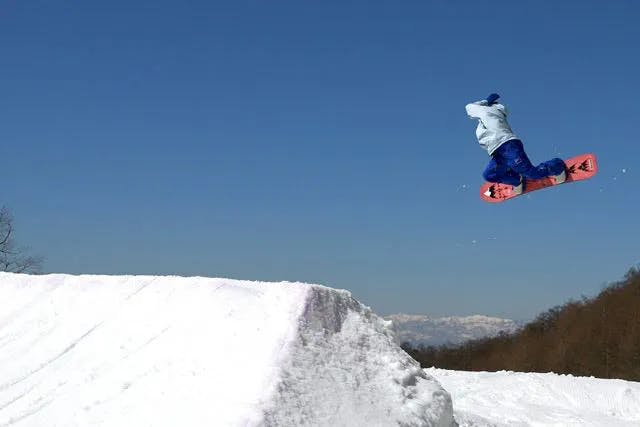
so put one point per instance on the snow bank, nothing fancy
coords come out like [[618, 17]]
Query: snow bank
[[167, 351], [346, 370], [533, 399]]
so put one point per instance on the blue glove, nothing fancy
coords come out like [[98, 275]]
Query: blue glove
[[491, 99]]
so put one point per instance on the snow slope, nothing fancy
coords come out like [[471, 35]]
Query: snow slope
[[168, 351], [533, 399], [420, 330]]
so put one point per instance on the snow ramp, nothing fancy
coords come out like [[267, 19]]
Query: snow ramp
[[174, 351]]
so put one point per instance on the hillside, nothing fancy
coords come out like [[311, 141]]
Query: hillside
[[420, 330], [597, 336], [169, 351]]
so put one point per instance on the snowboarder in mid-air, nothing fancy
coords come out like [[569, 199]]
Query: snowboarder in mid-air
[[509, 163]]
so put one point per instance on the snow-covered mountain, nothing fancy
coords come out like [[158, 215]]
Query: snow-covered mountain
[[420, 330], [171, 351]]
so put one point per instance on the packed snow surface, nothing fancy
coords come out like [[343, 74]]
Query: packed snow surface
[[512, 399], [420, 330], [172, 351]]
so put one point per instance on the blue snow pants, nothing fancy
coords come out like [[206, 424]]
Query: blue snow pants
[[510, 161]]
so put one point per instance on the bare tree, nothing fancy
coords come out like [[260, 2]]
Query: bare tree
[[14, 258]]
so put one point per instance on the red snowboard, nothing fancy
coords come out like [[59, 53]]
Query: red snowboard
[[578, 168]]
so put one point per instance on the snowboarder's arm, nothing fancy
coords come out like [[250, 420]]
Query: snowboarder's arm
[[477, 110]]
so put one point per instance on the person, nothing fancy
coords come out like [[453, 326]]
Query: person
[[509, 163]]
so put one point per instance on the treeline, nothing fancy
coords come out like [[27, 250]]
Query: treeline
[[597, 336]]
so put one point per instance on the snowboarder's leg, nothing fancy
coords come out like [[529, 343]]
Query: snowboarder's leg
[[516, 158], [549, 168], [497, 171]]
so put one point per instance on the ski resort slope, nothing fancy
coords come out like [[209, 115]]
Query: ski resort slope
[[172, 351], [497, 399]]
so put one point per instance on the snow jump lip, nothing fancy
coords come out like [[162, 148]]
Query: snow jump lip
[[167, 351]]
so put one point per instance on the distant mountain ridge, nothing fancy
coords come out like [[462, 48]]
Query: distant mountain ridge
[[421, 330]]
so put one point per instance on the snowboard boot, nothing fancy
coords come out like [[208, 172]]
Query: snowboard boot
[[518, 189], [561, 177]]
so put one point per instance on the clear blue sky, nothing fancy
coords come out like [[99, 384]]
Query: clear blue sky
[[322, 142]]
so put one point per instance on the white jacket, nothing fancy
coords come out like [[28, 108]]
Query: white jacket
[[493, 129]]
